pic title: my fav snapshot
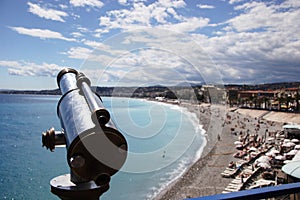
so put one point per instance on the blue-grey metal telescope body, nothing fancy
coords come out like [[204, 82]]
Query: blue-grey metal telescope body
[[96, 150]]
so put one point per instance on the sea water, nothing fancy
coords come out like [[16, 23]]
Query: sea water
[[163, 141]]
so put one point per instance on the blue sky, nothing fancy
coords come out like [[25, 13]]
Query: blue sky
[[140, 43]]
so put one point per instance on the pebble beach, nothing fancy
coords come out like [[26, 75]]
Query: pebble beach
[[223, 126]]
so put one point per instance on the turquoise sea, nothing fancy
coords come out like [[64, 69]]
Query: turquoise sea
[[163, 141]]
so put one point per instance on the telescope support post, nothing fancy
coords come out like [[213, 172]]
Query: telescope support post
[[67, 190]]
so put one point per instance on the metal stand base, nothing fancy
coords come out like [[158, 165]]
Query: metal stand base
[[67, 190]]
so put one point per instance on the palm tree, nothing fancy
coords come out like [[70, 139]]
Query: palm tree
[[297, 101], [266, 101], [280, 100]]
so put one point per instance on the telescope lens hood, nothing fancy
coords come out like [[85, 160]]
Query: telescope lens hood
[[63, 72]]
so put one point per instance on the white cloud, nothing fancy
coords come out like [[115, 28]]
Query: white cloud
[[257, 15], [135, 57], [102, 47], [99, 32], [157, 14], [88, 55], [204, 6], [79, 52], [21, 68], [82, 3], [291, 3], [83, 29], [122, 2], [62, 6], [263, 15], [41, 33], [10, 63], [260, 43], [51, 14], [187, 25], [235, 1], [141, 67], [75, 16], [77, 34]]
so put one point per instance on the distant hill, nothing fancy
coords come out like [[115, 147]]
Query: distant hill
[[36, 92], [266, 86], [158, 90]]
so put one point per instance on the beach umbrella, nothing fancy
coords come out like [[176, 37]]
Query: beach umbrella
[[286, 140], [289, 144], [253, 149], [263, 159], [275, 151], [287, 161], [282, 136], [270, 154], [292, 152], [295, 140], [280, 157], [238, 142], [297, 147], [264, 165], [253, 154]]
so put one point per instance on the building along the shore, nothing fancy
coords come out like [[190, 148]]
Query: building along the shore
[[286, 99]]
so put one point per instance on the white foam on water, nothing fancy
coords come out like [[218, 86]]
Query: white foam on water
[[172, 176]]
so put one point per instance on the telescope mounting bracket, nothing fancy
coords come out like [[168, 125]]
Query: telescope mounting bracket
[[67, 190]]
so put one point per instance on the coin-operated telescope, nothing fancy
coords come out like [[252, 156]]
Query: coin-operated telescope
[[96, 150]]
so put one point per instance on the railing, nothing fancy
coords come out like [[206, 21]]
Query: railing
[[259, 193]]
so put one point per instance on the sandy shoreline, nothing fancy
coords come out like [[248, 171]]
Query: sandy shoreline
[[204, 177]]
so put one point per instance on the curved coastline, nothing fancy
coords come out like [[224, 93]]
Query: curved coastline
[[204, 115], [181, 170], [203, 177]]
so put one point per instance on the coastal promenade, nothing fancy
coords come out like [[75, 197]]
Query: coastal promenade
[[223, 127]]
